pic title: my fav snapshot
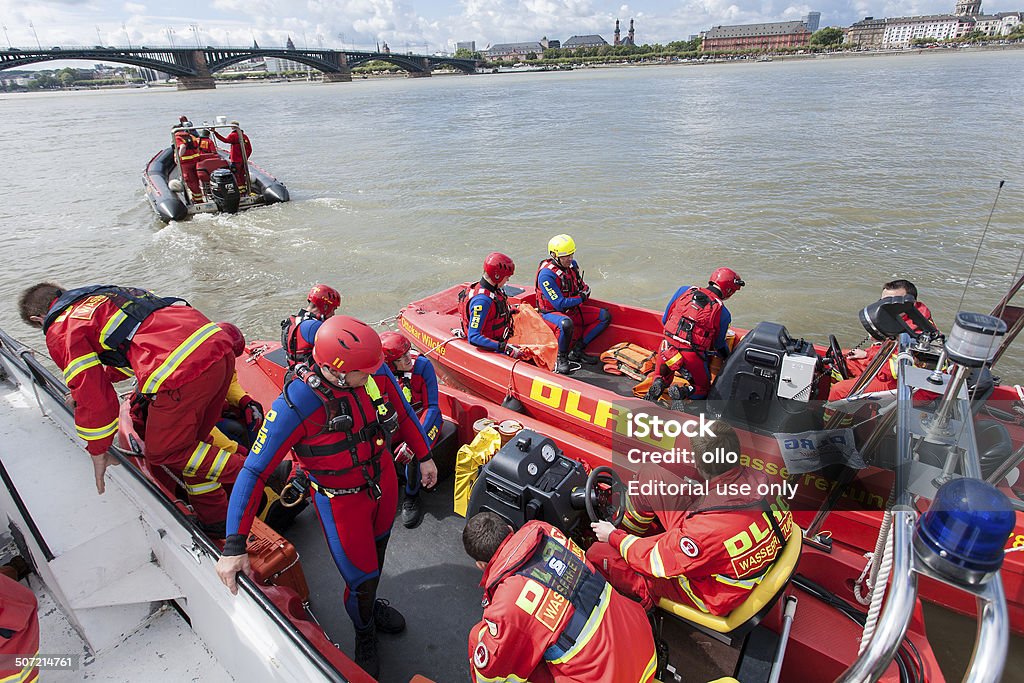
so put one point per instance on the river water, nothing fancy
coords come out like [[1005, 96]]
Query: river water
[[817, 181]]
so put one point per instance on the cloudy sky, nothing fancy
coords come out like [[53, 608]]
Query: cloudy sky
[[415, 25]]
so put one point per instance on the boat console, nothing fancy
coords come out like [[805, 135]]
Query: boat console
[[530, 478], [768, 380]]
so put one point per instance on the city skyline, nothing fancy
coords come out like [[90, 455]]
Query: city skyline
[[406, 25]]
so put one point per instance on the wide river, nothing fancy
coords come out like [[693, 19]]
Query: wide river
[[817, 181]]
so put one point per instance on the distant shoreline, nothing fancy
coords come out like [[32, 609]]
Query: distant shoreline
[[547, 68]]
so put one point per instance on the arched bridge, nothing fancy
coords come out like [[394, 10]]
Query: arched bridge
[[194, 67]]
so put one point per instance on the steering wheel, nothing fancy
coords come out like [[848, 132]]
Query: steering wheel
[[605, 496], [838, 358]]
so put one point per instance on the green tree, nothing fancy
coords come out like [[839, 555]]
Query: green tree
[[975, 36], [828, 36], [1017, 33]]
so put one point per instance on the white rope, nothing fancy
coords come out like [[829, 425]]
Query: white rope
[[877, 594], [871, 567]]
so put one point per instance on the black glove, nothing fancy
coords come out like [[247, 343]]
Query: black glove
[[585, 294], [252, 413]]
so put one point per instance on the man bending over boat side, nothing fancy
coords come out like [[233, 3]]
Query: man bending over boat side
[[338, 415], [561, 293], [486, 313], [548, 614], [697, 560], [183, 363], [696, 324]]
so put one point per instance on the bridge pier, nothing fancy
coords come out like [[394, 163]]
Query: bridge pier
[[196, 83], [338, 77]]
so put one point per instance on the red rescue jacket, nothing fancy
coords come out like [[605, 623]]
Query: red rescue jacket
[[135, 332], [550, 616], [694, 319], [19, 630], [498, 324], [719, 553], [297, 349]]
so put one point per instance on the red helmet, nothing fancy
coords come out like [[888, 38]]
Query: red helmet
[[395, 346], [727, 280], [237, 338], [346, 344], [498, 266], [325, 298]]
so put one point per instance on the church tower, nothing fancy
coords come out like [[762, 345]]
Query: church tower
[[617, 34], [630, 41], [968, 8]]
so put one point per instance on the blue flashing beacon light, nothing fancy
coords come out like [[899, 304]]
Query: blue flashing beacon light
[[963, 534]]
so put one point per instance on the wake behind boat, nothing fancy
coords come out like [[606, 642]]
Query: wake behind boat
[[194, 175]]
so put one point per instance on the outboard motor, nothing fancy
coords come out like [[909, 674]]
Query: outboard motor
[[768, 381], [225, 190], [528, 479]]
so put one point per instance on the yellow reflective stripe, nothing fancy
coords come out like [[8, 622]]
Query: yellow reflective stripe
[[650, 669], [200, 489], [684, 583], [657, 566], [89, 360], [218, 465], [196, 459], [171, 363], [589, 628], [641, 517], [749, 584], [29, 673], [628, 523], [111, 325], [97, 433], [127, 372], [628, 541]]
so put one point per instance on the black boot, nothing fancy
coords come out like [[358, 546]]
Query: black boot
[[386, 618], [412, 511], [562, 364], [657, 387], [366, 651], [577, 355]]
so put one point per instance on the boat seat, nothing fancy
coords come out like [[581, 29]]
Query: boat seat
[[733, 627], [207, 166]]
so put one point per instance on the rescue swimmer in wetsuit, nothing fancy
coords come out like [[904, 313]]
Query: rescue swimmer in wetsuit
[[298, 331], [696, 324], [486, 313], [561, 295], [418, 380], [182, 363], [338, 415], [714, 549], [548, 614]]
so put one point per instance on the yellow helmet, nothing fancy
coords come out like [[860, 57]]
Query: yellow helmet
[[561, 245]]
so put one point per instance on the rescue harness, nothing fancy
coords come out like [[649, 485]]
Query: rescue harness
[[501, 324], [694, 318]]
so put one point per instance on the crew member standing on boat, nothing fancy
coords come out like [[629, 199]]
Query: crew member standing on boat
[[188, 157], [696, 324], [338, 415], [561, 295], [183, 364], [486, 313], [298, 331], [548, 614], [418, 380], [207, 145], [236, 138]]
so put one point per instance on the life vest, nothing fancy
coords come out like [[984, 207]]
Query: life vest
[[207, 146], [136, 305], [693, 319], [411, 383], [345, 428], [570, 282], [501, 313], [191, 148], [296, 349]]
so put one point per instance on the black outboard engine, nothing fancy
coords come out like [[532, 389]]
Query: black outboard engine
[[768, 382], [529, 479], [224, 189]]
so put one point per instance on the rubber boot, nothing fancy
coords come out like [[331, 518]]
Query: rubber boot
[[657, 387], [386, 618], [412, 511], [562, 366], [577, 355], [366, 657]]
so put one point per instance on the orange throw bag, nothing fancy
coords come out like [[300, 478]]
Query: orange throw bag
[[535, 335]]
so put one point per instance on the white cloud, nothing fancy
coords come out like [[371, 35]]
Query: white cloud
[[134, 8]]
